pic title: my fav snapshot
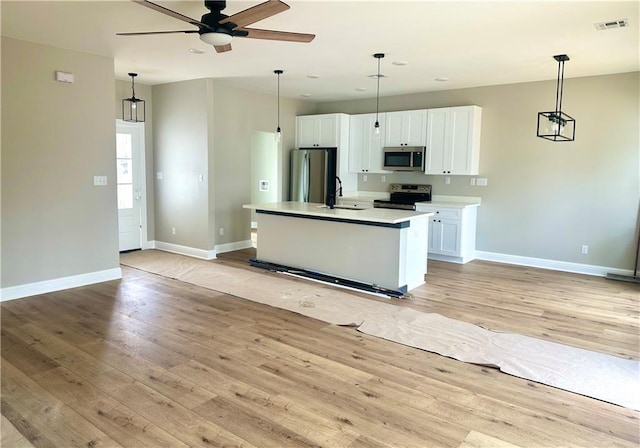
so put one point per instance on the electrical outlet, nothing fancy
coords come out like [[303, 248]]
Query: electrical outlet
[[472, 181], [173, 230], [447, 180], [221, 231], [364, 178], [100, 180], [585, 249], [481, 181], [384, 179]]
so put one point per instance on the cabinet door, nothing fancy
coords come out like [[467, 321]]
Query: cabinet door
[[415, 127], [453, 140], [407, 128], [327, 131], [358, 153], [393, 129], [365, 149], [436, 138], [306, 132], [444, 236], [460, 159]]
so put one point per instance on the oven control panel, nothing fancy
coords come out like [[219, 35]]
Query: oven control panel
[[410, 188]]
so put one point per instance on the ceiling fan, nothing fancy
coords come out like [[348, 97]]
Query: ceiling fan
[[218, 29]]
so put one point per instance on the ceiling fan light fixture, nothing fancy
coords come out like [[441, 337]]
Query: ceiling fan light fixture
[[216, 39], [555, 125], [133, 109]]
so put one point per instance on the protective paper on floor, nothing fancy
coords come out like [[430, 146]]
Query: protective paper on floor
[[605, 377]]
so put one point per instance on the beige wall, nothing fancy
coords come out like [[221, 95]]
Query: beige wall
[[181, 113], [55, 138], [238, 113], [211, 124], [544, 199]]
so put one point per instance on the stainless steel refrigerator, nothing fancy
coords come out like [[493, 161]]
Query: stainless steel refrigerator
[[311, 170]]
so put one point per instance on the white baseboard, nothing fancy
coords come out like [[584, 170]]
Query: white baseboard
[[184, 250], [565, 266], [57, 284], [229, 247]]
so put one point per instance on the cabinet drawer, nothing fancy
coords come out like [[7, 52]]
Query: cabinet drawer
[[444, 213]]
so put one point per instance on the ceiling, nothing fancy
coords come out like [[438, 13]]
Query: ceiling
[[472, 43]]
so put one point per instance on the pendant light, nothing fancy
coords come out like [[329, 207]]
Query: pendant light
[[556, 125], [376, 126], [133, 108], [278, 131]]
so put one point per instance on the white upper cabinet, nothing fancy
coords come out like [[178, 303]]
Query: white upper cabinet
[[453, 140], [406, 128], [365, 149], [319, 131]]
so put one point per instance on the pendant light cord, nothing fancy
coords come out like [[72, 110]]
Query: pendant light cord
[[378, 91], [559, 88]]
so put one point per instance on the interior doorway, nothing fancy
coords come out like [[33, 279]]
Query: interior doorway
[[130, 179]]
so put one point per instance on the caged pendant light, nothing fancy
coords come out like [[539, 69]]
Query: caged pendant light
[[133, 108], [556, 125], [278, 131], [376, 126]]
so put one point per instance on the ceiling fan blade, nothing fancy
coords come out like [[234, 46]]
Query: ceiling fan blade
[[156, 32], [222, 48], [255, 33], [171, 13], [256, 13]]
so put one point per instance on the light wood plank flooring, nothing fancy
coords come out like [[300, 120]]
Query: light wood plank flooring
[[150, 361]]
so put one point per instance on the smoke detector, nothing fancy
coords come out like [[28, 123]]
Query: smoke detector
[[621, 23]]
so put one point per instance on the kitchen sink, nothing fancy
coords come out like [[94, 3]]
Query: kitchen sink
[[345, 207]]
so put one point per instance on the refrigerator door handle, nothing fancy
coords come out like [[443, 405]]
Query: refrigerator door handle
[[305, 177]]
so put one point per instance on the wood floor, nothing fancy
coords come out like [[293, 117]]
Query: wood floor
[[150, 361]]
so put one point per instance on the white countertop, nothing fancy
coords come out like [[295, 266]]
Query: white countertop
[[451, 201], [381, 215]]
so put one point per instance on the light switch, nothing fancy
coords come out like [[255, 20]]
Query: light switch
[[64, 77], [159, 175], [481, 181], [100, 180]]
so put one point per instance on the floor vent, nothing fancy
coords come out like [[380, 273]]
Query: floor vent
[[621, 23]]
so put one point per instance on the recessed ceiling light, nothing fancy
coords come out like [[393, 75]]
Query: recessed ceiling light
[[196, 51], [442, 79], [361, 89], [400, 63], [305, 95], [313, 76]]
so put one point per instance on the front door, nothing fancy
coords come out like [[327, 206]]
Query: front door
[[129, 161]]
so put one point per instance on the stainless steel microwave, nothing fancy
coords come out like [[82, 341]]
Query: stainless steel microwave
[[403, 158]]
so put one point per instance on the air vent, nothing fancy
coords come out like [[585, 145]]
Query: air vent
[[621, 23]]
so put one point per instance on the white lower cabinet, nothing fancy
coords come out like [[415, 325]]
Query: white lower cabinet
[[452, 232]]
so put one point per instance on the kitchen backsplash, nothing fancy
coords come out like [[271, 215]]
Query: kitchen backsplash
[[459, 185]]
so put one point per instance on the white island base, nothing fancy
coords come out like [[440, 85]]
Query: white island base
[[383, 248]]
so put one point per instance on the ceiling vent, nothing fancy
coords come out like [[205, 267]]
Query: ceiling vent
[[621, 23]]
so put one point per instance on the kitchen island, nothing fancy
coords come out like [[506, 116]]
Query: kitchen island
[[371, 249]]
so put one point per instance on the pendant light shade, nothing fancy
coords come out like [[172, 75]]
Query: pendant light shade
[[133, 108], [376, 126], [278, 131], [556, 125]]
